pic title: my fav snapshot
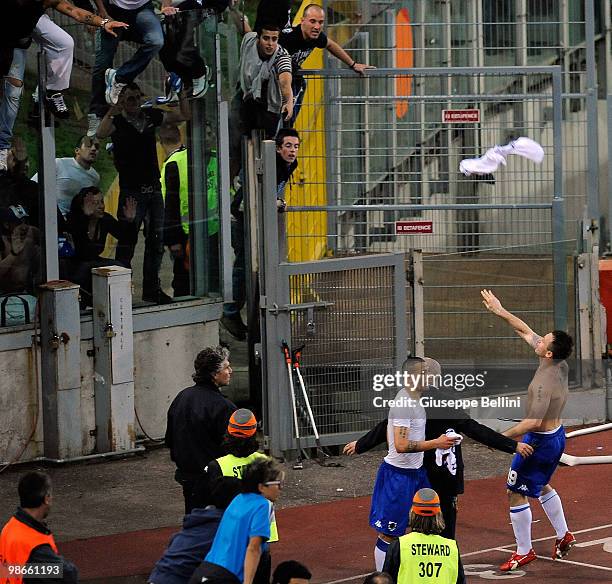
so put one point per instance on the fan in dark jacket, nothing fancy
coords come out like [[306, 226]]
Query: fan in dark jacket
[[197, 421], [445, 471], [88, 225], [187, 547]]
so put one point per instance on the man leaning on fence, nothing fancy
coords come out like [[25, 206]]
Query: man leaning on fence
[[264, 89]]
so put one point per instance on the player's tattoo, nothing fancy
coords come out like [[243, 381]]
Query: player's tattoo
[[403, 432], [412, 446], [88, 19]]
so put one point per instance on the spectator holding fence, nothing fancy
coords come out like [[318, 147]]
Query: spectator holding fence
[[287, 147], [264, 89], [301, 40]]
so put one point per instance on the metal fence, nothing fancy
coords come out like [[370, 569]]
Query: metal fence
[[380, 172]]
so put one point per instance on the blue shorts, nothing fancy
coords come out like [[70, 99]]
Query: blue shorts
[[528, 475], [394, 490]]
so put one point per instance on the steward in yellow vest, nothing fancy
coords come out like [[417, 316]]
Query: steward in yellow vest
[[242, 447], [26, 539], [177, 218], [423, 556]]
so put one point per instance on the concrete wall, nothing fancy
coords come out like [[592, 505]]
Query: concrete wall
[[163, 364]]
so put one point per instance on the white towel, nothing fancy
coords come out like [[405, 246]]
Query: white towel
[[493, 157], [447, 456]]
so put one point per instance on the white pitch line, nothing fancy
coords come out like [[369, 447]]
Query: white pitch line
[[538, 539], [567, 562], [502, 548]]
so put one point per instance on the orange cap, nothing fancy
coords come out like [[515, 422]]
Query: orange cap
[[242, 424], [426, 502]]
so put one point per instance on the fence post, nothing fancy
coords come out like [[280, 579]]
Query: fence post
[[114, 359], [60, 341], [418, 318]]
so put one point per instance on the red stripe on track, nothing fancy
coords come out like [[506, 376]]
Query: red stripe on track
[[334, 539]]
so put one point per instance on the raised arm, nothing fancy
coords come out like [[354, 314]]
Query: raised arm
[[284, 80], [84, 16], [492, 304], [337, 51], [107, 127]]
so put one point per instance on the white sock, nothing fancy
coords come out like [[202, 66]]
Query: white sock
[[380, 552], [551, 503], [520, 516]]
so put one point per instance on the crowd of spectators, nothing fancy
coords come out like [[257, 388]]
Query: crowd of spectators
[[268, 97]]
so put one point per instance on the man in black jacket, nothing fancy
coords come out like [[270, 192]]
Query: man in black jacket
[[287, 147], [26, 539], [444, 468], [197, 420]]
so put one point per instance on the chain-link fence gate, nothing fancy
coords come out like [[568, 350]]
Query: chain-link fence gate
[[383, 179]]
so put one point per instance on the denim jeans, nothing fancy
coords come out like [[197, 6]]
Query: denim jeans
[[9, 103], [145, 29], [58, 46], [150, 211]]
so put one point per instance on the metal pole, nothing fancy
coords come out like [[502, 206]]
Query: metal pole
[[400, 306], [199, 261], [558, 211], [47, 182], [592, 117], [418, 317], [609, 234], [225, 226]]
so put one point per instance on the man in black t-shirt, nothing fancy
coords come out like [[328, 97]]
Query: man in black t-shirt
[[300, 41], [133, 133]]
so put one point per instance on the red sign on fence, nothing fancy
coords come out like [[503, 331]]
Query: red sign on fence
[[469, 116], [413, 227]]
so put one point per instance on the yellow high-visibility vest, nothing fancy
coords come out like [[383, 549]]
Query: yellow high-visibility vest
[[427, 559]]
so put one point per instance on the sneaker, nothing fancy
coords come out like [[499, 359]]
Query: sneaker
[[56, 105], [563, 546], [173, 87], [202, 84], [234, 326], [93, 122], [113, 87], [3, 159], [516, 561]]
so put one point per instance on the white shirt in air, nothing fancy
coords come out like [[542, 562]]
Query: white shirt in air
[[409, 414], [71, 178]]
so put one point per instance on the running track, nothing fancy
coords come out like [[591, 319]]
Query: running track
[[333, 539]]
